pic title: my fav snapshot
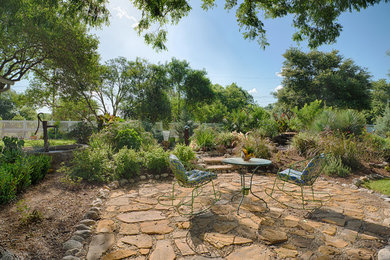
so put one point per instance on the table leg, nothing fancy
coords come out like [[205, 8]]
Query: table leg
[[250, 188], [244, 190]]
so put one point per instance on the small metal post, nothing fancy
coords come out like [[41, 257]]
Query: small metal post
[[187, 135], [45, 142]]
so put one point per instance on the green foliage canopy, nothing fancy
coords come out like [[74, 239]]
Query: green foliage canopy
[[323, 76], [315, 21]]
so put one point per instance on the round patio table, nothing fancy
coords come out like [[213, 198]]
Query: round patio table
[[255, 163]]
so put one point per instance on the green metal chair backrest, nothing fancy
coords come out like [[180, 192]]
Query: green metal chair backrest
[[178, 169], [313, 169]]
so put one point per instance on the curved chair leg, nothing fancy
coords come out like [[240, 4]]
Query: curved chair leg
[[196, 192], [170, 198], [295, 196]]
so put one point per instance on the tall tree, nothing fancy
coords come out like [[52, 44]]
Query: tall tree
[[315, 20], [34, 31], [149, 100], [323, 76], [188, 86], [380, 96]]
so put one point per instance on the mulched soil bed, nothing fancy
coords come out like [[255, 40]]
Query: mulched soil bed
[[61, 209]]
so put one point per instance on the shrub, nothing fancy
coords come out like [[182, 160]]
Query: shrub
[[156, 160], [12, 149], [184, 153], [257, 144], [304, 117], [226, 139], [204, 137], [347, 148], [21, 171], [127, 138], [382, 123], [40, 165], [268, 128], [7, 185], [334, 166], [82, 132], [340, 121], [93, 164], [305, 143], [127, 163]]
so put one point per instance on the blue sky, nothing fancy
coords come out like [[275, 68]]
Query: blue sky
[[211, 40]]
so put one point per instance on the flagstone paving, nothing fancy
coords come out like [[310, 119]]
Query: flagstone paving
[[133, 225]]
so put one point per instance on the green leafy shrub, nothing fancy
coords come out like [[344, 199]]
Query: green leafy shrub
[[7, 185], [82, 132], [127, 163], [93, 164], [305, 143], [40, 165], [382, 123], [346, 121], [335, 167], [156, 160], [347, 148], [204, 137], [304, 117], [259, 146], [226, 139], [184, 153], [21, 171], [268, 128], [12, 150], [128, 138]]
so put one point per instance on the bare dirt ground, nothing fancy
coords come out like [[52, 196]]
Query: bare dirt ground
[[60, 208]]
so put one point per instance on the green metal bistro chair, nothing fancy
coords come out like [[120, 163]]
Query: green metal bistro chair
[[302, 174], [195, 179]]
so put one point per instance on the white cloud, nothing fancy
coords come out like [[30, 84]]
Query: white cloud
[[279, 74], [252, 91], [121, 13], [278, 88]]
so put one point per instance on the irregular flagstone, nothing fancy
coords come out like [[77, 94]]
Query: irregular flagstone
[[119, 254], [144, 251], [272, 236], [105, 226], [163, 251], [179, 234], [349, 235], [284, 252], [183, 247], [224, 227], [255, 252], [334, 220], [184, 225], [291, 221], [140, 216], [118, 201], [329, 230], [129, 229], [328, 250], [336, 242], [135, 207], [359, 253], [222, 240], [301, 241], [140, 241], [355, 213], [156, 227], [377, 229], [149, 201], [99, 245]]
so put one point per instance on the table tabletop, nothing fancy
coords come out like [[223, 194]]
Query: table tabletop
[[251, 162]]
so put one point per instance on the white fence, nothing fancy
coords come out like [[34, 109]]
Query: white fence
[[26, 128]]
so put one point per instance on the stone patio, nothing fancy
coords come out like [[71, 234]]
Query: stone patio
[[352, 225]]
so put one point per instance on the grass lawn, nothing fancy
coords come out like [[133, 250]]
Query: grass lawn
[[39, 143], [382, 186]]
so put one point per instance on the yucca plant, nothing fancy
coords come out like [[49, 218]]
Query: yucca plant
[[345, 121]]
